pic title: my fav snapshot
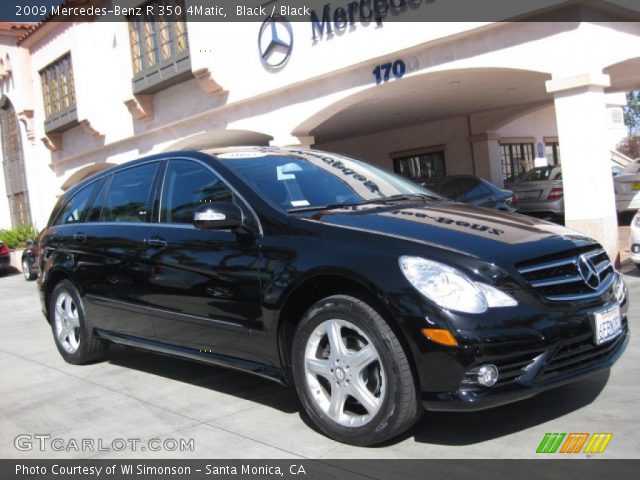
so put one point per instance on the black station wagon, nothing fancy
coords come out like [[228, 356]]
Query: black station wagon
[[375, 297]]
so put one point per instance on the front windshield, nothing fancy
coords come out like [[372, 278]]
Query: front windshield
[[542, 174], [306, 179]]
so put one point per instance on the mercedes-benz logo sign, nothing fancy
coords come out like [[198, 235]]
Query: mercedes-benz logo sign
[[275, 42], [588, 272]]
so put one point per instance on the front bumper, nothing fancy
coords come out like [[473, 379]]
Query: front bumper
[[534, 347], [555, 207], [524, 387]]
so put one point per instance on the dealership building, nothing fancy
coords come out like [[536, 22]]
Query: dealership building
[[490, 99]]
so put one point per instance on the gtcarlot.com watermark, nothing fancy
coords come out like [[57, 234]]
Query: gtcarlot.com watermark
[[43, 442]]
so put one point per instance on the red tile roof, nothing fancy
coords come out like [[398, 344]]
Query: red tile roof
[[49, 17], [17, 26]]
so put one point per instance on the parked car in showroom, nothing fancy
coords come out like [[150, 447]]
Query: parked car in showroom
[[634, 239], [29, 261], [5, 256], [373, 296], [627, 188], [539, 192], [473, 190]]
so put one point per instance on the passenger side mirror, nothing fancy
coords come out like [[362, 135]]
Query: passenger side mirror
[[217, 216]]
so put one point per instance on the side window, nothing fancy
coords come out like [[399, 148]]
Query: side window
[[128, 196], [95, 210], [74, 209], [187, 185]]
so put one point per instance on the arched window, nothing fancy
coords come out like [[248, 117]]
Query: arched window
[[13, 165]]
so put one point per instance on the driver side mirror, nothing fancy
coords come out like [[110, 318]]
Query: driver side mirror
[[217, 216]]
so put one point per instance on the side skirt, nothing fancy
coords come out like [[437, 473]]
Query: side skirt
[[265, 371]]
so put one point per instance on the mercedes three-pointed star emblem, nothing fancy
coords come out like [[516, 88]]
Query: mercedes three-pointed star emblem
[[588, 272], [275, 42]]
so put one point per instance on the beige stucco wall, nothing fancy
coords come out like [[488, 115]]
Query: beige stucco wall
[[377, 147], [319, 77]]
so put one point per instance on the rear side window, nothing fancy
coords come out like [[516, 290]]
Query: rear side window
[[128, 197], [74, 210], [93, 214], [188, 185]]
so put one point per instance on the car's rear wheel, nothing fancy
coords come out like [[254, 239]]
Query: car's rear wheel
[[352, 374], [72, 331], [26, 270]]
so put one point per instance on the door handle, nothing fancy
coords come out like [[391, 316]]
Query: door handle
[[155, 242], [79, 237]]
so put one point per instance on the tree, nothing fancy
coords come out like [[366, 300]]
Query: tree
[[632, 113], [630, 146]]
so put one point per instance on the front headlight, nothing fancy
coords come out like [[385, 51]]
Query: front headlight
[[450, 288]]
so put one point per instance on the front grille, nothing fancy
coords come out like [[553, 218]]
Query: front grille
[[574, 275], [580, 352]]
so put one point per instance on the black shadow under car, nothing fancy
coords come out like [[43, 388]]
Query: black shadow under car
[[375, 297]]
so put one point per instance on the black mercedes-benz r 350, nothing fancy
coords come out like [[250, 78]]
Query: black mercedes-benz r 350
[[373, 296]]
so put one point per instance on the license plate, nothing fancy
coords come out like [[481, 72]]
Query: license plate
[[635, 186], [530, 194], [607, 325]]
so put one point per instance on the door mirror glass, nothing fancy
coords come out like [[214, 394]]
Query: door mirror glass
[[217, 216]]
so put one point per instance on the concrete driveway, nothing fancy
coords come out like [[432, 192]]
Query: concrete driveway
[[140, 396]]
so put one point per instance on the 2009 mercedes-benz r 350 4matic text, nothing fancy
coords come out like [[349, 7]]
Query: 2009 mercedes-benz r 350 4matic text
[[372, 295]]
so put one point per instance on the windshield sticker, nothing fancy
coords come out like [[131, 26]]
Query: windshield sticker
[[286, 172], [299, 203]]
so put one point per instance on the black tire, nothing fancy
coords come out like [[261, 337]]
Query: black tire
[[637, 265], [399, 409], [29, 275], [90, 348]]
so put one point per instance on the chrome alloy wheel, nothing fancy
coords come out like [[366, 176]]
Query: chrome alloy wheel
[[67, 322], [344, 373], [26, 270]]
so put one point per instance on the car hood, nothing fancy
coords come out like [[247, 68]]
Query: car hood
[[493, 236]]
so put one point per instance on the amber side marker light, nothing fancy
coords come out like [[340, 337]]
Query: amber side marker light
[[441, 336]]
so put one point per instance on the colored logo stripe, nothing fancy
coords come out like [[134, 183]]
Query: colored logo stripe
[[574, 442], [598, 442], [550, 443]]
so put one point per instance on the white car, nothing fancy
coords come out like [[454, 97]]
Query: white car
[[627, 188], [634, 239]]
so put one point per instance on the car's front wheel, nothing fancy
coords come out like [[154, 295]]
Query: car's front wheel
[[26, 270], [71, 328], [352, 374]]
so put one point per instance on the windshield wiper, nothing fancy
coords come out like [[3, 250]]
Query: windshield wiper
[[328, 206], [383, 200], [401, 196]]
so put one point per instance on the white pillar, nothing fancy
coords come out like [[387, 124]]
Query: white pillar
[[486, 157], [586, 172]]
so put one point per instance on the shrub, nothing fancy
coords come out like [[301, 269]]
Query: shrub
[[17, 236]]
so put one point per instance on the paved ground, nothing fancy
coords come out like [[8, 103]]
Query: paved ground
[[136, 395]]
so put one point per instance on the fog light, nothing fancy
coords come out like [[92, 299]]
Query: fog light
[[488, 375]]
